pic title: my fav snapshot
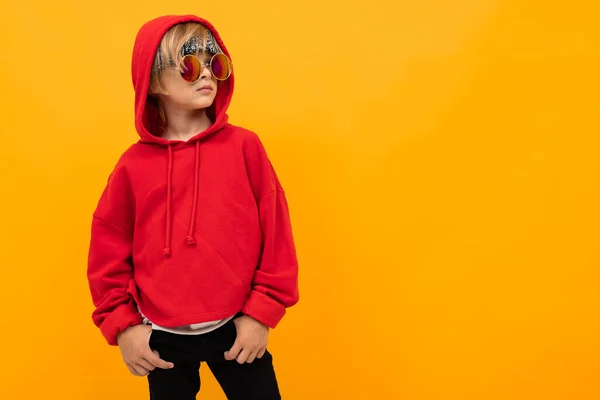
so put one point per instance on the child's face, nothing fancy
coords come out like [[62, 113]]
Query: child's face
[[189, 96]]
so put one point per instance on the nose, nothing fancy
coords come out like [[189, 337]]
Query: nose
[[205, 73]]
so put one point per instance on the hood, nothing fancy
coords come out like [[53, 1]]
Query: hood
[[144, 50]]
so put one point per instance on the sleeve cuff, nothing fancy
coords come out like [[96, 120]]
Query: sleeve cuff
[[120, 319], [264, 309]]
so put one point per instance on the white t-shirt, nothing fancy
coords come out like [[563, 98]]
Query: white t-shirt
[[193, 329]]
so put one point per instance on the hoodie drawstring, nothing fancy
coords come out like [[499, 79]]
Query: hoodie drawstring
[[167, 250], [190, 240], [190, 237]]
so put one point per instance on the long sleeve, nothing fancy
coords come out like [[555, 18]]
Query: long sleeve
[[275, 281], [110, 270]]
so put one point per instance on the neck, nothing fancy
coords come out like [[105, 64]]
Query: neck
[[185, 124]]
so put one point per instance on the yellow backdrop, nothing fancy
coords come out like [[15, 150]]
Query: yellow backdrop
[[441, 161]]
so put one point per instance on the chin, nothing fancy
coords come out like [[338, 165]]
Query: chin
[[198, 105]]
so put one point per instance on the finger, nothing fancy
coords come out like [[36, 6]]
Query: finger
[[146, 364], [140, 370], [154, 358], [132, 370], [243, 356], [261, 353], [234, 351], [252, 357]]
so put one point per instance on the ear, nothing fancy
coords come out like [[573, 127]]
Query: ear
[[154, 87], [152, 90]]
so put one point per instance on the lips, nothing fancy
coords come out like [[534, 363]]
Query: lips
[[205, 87]]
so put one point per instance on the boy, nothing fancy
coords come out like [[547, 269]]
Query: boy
[[191, 256]]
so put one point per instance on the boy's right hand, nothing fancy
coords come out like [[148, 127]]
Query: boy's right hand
[[136, 352]]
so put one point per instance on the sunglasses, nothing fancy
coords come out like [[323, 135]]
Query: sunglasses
[[219, 65]]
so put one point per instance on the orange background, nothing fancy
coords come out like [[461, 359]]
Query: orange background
[[441, 162]]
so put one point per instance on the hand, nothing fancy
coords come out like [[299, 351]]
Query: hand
[[251, 341], [136, 352]]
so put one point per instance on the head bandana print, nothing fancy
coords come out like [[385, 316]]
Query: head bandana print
[[194, 45], [211, 45]]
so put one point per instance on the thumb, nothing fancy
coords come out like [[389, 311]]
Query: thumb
[[234, 351], [158, 362]]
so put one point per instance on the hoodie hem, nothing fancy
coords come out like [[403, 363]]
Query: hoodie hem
[[175, 322]]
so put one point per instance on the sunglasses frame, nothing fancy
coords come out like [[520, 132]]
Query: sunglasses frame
[[209, 66]]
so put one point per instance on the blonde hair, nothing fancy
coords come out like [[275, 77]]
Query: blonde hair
[[169, 52]]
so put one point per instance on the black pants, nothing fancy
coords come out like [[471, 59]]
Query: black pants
[[239, 381]]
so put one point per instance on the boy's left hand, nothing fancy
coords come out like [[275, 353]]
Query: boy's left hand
[[251, 341]]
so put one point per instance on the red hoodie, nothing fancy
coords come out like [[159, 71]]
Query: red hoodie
[[192, 231]]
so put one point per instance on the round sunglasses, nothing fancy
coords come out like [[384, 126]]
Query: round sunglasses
[[219, 65]]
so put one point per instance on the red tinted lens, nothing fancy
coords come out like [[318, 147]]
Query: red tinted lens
[[190, 68], [220, 66]]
